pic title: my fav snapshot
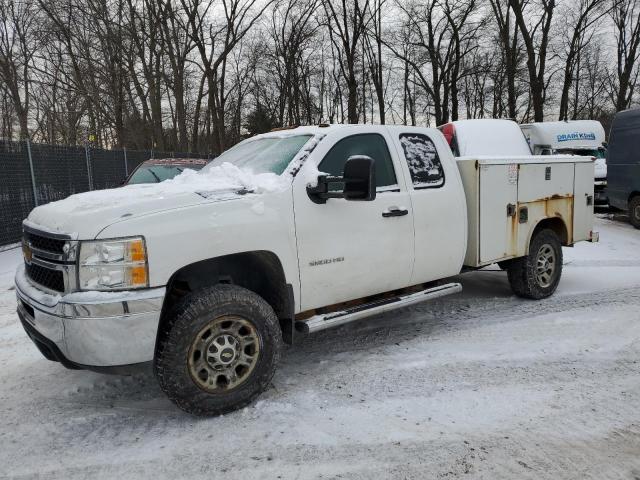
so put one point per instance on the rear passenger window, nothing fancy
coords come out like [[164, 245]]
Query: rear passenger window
[[370, 144], [422, 157]]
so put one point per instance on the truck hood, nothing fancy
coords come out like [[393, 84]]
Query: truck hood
[[84, 215]]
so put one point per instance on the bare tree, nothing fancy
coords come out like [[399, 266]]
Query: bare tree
[[463, 38], [588, 99], [145, 57], [373, 48], [583, 16], [535, 36], [347, 23], [626, 18], [476, 85], [202, 74], [177, 45], [292, 30], [510, 48], [18, 45], [90, 41], [441, 36], [215, 41]]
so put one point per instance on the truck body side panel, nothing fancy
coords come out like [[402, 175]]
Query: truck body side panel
[[508, 198], [498, 189], [584, 200], [545, 191], [560, 207], [471, 184], [540, 180]]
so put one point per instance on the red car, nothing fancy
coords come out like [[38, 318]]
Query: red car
[[158, 170]]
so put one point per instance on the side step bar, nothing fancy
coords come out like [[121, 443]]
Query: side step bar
[[328, 320]]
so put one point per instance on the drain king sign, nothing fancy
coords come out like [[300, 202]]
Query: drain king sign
[[569, 137]]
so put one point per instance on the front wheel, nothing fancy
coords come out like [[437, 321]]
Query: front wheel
[[537, 275], [634, 211], [217, 350]]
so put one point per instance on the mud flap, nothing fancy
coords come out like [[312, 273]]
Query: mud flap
[[287, 323]]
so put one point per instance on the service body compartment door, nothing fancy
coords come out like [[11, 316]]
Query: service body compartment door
[[498, 190], [540, 181], [583, 201], [545, 190]]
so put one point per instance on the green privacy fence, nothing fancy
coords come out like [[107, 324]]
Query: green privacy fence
[[33, 174]]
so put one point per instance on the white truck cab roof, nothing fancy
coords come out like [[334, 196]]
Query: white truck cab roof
[[485, 137]]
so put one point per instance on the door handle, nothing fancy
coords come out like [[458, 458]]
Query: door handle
[[395, 212]]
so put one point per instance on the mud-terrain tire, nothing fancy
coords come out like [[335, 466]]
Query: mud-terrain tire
[[634, 211], [217, 350], [537, 275]]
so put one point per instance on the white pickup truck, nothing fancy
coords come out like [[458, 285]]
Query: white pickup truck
[[293, 231]]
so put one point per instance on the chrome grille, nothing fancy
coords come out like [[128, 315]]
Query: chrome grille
[[47, 244], [50, 260], [51, 279]]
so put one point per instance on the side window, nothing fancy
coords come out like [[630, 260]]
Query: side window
[[370, 144], [422, 157]]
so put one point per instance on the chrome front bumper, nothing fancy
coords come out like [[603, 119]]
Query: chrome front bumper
[[91, 329]]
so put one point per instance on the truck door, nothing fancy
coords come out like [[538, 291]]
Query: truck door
[[438, 204], [353, 249]]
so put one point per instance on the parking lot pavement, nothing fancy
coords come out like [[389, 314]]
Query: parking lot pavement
[[479, 385]]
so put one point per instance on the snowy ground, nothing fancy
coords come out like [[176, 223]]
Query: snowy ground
[[481, 385]]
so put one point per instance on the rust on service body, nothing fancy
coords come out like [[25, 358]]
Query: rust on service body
[[555, 206]]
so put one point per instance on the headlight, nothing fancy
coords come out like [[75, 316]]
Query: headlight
[[113, 264]]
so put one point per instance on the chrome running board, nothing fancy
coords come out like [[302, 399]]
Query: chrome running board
[[328, 320]]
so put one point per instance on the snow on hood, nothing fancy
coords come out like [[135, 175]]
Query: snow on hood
[[87, 213], [224, 178]]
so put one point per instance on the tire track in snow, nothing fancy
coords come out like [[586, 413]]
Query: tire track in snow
[[454, 313], [386, 397]]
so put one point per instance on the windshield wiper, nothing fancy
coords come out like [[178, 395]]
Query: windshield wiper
[[213, 193], [155, 176]]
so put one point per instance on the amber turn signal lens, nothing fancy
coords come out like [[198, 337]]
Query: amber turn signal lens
[[138, 275], [136, 251]]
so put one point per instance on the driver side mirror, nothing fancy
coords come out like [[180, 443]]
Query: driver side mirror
[[358, 178]]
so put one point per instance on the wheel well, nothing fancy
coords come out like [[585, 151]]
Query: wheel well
[[632, 195], [557, 225], [258, 271]]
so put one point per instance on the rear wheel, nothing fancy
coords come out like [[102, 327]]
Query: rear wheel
[[634, 211], [217, 350], [537, 275]]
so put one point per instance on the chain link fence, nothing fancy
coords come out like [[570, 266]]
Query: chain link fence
[[33, 174]]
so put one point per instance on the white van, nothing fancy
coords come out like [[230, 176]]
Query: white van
[[573, 137]]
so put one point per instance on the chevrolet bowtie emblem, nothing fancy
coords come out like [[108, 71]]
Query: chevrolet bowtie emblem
[[26, 252]]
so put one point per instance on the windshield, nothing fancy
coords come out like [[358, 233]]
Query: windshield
[[262, 155], [598, 153], [158, 173]]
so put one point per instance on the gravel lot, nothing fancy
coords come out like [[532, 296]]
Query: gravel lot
[[479, 385]]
